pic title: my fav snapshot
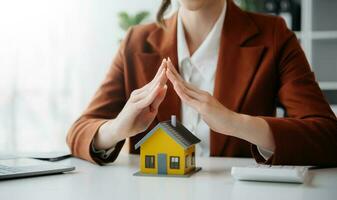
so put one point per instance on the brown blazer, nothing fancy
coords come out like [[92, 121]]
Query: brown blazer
[[260, 63]]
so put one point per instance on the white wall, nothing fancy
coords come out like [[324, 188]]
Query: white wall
[[53, 56]]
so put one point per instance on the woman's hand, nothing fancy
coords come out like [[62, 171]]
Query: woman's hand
[[142, 106], [137, 114], [217, 116], [220, 119]]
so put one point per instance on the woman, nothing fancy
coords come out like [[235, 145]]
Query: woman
[[221, 71]]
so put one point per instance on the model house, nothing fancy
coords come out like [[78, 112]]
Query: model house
[[168, 149]]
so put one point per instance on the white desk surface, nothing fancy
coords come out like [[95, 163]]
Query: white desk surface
[[116, 181]]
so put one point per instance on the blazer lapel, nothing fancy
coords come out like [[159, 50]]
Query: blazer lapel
[[164, 44], [236, 68]]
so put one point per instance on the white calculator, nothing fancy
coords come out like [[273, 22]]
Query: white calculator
[[271, 173]]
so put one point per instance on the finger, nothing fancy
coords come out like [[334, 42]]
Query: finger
[[195, 89], [193, 94], [157, 76], [171, 67], [149, 98], [183, 86], [188, 100], [174, 78], [161, 82], [186, 87], [162, 79], [159, 98], [178, 77], [160, 70], [171, 76], [142, 95]]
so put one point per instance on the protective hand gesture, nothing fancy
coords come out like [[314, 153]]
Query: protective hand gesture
[[142, 106], [217, 116]]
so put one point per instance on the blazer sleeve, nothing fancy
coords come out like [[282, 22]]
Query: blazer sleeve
[[108, 101], [308, 135]]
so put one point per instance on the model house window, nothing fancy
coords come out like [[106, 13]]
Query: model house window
[[188, 161], [193, 159], [149, 161], [174, 162]]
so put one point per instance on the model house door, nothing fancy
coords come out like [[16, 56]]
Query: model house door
[[162, 166]]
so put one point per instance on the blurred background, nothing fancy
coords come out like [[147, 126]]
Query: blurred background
[[55, 53]]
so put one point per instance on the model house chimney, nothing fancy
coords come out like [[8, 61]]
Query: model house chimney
[[173, 120]]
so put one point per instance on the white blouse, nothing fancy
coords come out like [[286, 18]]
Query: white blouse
[[199, 70]]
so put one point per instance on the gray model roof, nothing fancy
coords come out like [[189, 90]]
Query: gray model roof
[[179, 133]]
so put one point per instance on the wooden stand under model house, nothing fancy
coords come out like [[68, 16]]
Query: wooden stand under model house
[[168, 150]]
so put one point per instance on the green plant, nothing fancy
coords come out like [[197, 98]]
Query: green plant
[[250, 5], [126, 20]]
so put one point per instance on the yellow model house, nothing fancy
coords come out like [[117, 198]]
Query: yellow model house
[[168, 149]]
